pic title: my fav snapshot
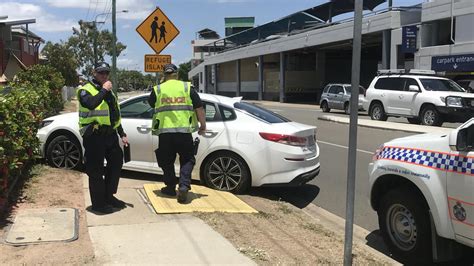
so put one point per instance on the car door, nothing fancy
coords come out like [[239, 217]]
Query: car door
[[136, 122], [330, 96], [215, 116], [460, 175], [395, 104], [338, 95], [404, 100]]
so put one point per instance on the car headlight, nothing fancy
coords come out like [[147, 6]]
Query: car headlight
[[453, 101], [45, 123]]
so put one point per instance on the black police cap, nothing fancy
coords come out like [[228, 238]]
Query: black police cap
[[102, 67], [170, 68]]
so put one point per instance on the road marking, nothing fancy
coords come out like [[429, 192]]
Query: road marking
[[344, 147]]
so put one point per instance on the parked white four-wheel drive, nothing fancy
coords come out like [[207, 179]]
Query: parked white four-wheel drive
[[422, 188]]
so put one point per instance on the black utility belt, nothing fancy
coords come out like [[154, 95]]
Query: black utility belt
[[101, 130]]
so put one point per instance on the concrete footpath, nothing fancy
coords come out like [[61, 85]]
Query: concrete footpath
[[137, 235], [387, 125]]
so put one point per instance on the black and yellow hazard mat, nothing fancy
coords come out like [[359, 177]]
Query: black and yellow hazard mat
[[200, 199]]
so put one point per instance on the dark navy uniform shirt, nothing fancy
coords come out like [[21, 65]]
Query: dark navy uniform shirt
[[91, 102]]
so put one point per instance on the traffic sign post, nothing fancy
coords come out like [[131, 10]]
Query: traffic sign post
[[156, 63], [157, 30]]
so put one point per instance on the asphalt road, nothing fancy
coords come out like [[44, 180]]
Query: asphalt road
[[328, 190]]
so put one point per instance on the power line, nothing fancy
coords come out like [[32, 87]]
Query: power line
[[88, 9]]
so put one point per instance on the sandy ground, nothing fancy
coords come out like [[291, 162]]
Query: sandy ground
[[281, 234], [50, 187]]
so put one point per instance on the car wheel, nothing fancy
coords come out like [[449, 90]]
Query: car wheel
[[377, 112], [431, 117], [64, 152], [347, 108], [325, 107], [405, 226], [414, 120], [227, 172]]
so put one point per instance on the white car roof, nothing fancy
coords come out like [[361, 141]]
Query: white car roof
[[411, 76]]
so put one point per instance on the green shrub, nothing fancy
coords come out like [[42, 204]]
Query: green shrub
[[35, 95]]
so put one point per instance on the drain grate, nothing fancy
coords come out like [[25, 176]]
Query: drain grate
[[34, 226]]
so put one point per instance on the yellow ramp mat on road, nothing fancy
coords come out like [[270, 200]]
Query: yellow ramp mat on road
[[200, 199]]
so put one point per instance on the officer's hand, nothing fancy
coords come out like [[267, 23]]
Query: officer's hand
[[107, 85], [201, 130], [125, 141]]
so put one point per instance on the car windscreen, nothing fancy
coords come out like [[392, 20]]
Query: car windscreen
[[361, 90], [261, 113], [441, 85]]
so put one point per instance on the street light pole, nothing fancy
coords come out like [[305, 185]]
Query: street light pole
[[114, 46], [354, 107]]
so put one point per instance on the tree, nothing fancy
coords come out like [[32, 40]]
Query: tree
[[183, 71], [82, 44], [61, 57]]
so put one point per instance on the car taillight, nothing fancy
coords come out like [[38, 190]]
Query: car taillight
[[284, 139]]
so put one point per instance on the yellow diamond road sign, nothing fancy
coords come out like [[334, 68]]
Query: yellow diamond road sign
[[157, 30]]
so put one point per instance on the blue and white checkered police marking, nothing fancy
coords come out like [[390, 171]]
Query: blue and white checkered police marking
[[431, 159]]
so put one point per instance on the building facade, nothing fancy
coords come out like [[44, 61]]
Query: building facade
[[301, 53]]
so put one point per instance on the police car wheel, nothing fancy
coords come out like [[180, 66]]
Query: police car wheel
[[377, 112], [325, 107], [226, 171], [64, 152], [405, 225]]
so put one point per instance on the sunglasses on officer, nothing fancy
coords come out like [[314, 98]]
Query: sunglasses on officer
[[103, 72]]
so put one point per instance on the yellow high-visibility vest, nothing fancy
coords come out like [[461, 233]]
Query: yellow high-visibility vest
[[174, 111]]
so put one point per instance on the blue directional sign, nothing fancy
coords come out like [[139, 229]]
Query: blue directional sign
[[409, 34], [453, 63]]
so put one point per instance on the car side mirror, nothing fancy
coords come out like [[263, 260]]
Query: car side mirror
[[413, 88]]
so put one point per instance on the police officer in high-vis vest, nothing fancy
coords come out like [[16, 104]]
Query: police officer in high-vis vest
[[178, 108], [99, 123]]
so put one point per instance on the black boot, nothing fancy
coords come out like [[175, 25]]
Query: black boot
[[116, 203], [168, 191], [182, 196]]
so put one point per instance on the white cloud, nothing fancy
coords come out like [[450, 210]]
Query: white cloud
[[126, 26], [137, 9], [45, 22], [128, 63]]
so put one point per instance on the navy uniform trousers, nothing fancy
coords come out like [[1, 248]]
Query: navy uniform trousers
[[103, 181], [171, 144]]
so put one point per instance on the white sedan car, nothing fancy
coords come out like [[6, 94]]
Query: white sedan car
[[245, 145]]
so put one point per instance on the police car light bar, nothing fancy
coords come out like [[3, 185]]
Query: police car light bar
[[403, 71]]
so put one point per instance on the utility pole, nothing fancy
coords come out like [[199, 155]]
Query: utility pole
[[354, 107], [94, 23], [114, 46]]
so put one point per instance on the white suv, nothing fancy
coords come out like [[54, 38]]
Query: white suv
[[422, 188], [418, 96]]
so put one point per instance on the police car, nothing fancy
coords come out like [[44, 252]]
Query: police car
[[422, 188]]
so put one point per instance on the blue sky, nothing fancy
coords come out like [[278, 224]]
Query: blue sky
[[55, 18]]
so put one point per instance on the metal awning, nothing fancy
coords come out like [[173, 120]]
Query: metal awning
[[334, 8], [12, 22], [312, 17]]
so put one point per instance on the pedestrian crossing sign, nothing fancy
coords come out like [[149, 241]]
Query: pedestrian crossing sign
[[157, 30]]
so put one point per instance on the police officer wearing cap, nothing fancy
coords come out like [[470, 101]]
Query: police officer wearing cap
[[100, 127], [178, 108]]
